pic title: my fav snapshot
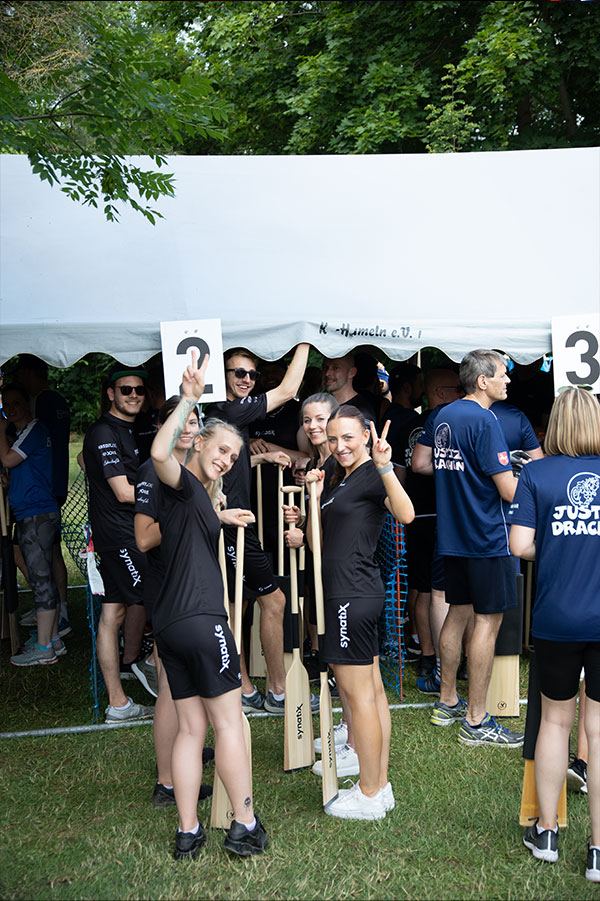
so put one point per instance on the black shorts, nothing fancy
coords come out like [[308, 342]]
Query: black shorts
[[559, 666], [488, 583], [351, 630], [420, 539], [258, 575], [438, 573], [200, 657], [123, 571]]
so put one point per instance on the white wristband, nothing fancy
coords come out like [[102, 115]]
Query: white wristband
[[383, 469]]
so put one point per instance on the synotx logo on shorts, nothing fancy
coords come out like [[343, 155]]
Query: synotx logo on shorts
[[581, 516], [220, 636], [343, 621]]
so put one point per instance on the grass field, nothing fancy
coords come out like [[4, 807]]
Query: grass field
[[77, 820]]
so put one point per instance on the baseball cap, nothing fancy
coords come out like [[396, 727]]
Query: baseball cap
[[118, 371]]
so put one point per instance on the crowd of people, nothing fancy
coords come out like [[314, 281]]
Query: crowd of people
[[442, 451]]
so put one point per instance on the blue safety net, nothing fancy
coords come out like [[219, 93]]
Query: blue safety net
[[391, 557]]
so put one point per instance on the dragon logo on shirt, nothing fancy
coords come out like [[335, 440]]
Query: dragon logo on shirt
[[583, 489], [443, 436]]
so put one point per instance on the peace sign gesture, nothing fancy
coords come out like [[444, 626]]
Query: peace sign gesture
[[382, 451], [192, 382]]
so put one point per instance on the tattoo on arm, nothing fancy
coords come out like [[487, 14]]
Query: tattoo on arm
[[182, 413]]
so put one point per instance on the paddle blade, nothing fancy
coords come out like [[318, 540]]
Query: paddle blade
[[298, 746]]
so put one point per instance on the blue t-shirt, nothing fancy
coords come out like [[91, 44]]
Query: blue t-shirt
[[30, 490], [516, 427], [559, 496], [468, 448]]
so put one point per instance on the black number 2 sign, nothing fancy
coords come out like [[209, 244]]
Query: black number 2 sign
[[203, 349], [589, 371]]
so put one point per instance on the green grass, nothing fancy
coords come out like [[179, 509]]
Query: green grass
[[77, 820]]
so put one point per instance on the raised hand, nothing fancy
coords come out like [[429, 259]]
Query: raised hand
[[382, 451], [193, 379]]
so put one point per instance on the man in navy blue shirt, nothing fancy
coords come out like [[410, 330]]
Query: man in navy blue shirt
[[471, 462]]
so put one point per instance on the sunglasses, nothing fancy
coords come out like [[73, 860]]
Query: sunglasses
[[140, 390], [580, 387], [242, 373]]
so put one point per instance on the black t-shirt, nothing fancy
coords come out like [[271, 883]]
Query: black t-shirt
[[147, 501], [241, 412], [353, 513], [190, 548], [110, 449], [144, 429], [400, 418], [280, 426], [367, 404], [420, 488]]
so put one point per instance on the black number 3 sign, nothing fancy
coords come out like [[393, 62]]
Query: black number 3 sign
[[588, 355]]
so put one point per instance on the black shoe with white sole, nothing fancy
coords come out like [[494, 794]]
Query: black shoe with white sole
[[188, 844], [240, 840], [543, 845]]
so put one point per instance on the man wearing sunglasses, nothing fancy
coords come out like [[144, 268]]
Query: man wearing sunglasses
[[111, 459], [243, 409]]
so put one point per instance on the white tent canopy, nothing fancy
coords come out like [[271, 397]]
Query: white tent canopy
[[452, 251]]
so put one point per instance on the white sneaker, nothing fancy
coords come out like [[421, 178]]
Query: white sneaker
[[346, 761], [351, 804], [340, 737], [388, 796]]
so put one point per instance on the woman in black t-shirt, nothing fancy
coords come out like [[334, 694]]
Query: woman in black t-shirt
[[352, 512], [190, 625]]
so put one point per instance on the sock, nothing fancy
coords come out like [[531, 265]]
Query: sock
[[415, 638], [193, 831], [150, 664], [44, 647], [168, 787], [251, 693], [438, 669], [280, 697], [540, 830], [55, 638], [128, 704], [250, 826]]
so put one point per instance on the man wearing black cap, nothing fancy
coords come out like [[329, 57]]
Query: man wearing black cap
[[111, 460]]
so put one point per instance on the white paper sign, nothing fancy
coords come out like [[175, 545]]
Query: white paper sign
[[178, 339], [576, 351]]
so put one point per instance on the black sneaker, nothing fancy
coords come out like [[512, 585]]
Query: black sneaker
[[412, 651], [592, 870], [188, 844], [240, 841], [252, 703], [165, 797], [311, 664], [462, 674], [577, 775], [333, 689], [426, 665], [543, 845], [208, 756]]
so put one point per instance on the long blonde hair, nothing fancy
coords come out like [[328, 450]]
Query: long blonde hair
[[574, 424]]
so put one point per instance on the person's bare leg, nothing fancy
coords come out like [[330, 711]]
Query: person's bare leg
[[358, 685], [247, 684], [480, 662], [231, 757], [186, 762], [468, 634], [422, 605], [133, 630], [383, 711], [107, 651], [271, 636], [59, 574], [46, 623], [552, 756], [165, 726], [592, 731], [450, 648], [346, 716]]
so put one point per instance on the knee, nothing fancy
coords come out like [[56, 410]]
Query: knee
[[272, 604]]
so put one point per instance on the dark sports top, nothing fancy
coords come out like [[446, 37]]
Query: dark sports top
[[352, 515], [241, 412], [147, 501], [110, 449], [30, 488], [400, 418], [516, 427], [53, 410], [190, 548], [420, 488], [559, 496], [280, 426], [468, 448]]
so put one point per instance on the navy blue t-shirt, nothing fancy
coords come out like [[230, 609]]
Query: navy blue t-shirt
[[516, 427], [559, 496], [30, 489], [468, 448]]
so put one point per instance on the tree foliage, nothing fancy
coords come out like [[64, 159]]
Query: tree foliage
[[325, 76], [84, 85]]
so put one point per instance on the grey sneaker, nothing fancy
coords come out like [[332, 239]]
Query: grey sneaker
[[35, 655], [543, 845], [133, 712], [147, 675], [489, 733], [58, 645], [29, 618], [254, 702], [443, 715], [277, 708]]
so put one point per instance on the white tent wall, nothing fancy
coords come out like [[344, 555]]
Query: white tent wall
[[453, 251]]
